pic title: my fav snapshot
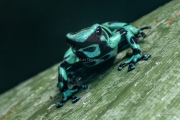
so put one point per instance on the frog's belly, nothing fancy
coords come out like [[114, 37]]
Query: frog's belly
[[93, 62]]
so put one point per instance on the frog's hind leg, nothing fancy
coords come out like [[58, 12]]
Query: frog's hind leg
[[140, 31], [136, 31], [137, 53]]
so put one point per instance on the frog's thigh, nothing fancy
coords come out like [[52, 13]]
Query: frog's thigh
[[114, 40], [133, 29]]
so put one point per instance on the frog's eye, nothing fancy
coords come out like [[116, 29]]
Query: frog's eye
[[89, 49], [98, 30]]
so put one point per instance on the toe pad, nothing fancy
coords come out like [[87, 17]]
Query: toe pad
[[146, 56], [59, 104], [75, 99], [131, 67], [84, 86]]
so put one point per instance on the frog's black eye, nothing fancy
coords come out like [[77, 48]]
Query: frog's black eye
[[98, 30], [89, 49]]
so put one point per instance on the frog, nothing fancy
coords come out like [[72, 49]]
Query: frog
[[94, 45]]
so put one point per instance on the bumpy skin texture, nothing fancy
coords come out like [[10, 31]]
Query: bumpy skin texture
[[94, 45]]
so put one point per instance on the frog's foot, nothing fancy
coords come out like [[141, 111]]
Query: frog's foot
[[60, 104], [131, 62], [121, 66], [68, 94], [131, 67], [134, 59], [146, 56], [74, 99], [143, 34], [65, 96], [83, 86]]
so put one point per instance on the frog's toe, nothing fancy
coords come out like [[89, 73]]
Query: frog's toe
[[59, 104], [121, 66], [131, 67], [143, 34], [146, 56], [75, 99], [84, 86]]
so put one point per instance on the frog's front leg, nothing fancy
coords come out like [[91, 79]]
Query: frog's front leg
[[137, 53], [63, 84], [63, 81]]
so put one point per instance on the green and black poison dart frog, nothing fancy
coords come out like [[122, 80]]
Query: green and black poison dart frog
[[92, 46]]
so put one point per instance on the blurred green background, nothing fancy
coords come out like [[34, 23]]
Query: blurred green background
[[32, 32]]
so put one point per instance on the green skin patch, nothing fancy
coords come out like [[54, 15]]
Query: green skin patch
[[99, 41]]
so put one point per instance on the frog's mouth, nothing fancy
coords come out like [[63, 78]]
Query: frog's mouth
[[70, 42]]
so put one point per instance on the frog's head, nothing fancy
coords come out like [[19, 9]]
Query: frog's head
[[96, 34]]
